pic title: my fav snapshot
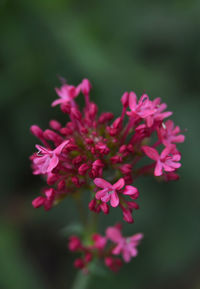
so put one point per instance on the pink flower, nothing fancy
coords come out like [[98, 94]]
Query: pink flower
[[159, 113], [167, 161], [46, 160], [151, 111], [142, 109], [168, 133], [125, 246], [109, 192], [67, 93]]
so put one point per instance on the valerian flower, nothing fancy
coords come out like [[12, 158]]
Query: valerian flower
[[46, 160], [109, 192], [168, 133], [103, 156], [167, 161], [127, 246]]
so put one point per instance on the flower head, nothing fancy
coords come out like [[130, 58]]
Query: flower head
[[87, 151], [109, 192], [168, 133], [46, 160], [125, 246], [167, 161], [67, 93]]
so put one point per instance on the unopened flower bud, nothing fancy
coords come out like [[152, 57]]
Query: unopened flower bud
[[36, 131], [54, 124], [125, 99], [85, 86], [83, 169]]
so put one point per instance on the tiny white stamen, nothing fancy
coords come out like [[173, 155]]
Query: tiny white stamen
[[163, 125], [39, 154], [110, 192]]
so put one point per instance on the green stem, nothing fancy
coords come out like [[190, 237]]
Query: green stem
[[81, 209], [81, 281], [90, 226], [92, 223]]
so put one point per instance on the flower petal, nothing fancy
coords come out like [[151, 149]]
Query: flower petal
[[101, 183], [126, 255], [106, 198], [137, 237], [42, 149], [57, 101], [59, 149], [117, 249], [133, 251], [158, 169], [151, 152], [114, 199], [119, 184], [100, 194], [114, 234], [53, 163]]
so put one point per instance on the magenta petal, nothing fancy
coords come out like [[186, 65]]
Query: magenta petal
[[106, 198], [168, 168], [151, 152], [119, 184], [59, 149], [179, 138], [100, 194], [59, 92], [114, 201], [114, 234], [166, 114], [149, 121], [101, 183], [133, 251], [40, 160], [126, 255], [53, 163], [166, 151], [137, 237], [158, 169], [117, 249], [176, 165], [177, 157], [169, 124], [56, 102], [43, 167], [42, 149]]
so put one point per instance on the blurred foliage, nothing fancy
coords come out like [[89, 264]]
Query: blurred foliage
[[119, 45]]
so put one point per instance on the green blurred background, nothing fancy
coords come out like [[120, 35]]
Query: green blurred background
[[119, 45]]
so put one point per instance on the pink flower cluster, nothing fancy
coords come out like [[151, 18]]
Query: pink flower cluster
[[106, 247], [103, 155]]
